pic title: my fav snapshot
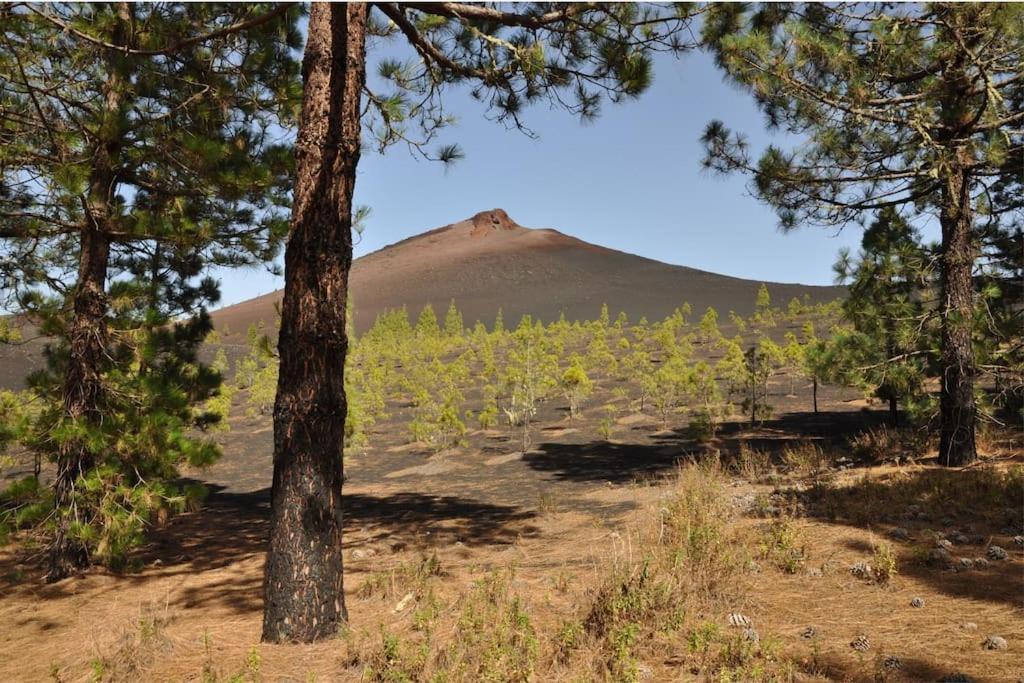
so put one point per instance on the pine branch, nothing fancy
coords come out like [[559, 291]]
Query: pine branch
[[255, 22]]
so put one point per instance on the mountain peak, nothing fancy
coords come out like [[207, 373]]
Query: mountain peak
[[490, 221], [488, 261]]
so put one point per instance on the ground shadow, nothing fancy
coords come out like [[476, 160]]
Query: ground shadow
[[873, 669], [974, 509], [602, 461], [620, 463], [830, 429], [233, 527]]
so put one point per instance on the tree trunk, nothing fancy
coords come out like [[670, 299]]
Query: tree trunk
[[87, 330], [303, 586], [753, 402], [814, 393], [894, 412], [956, 400], [83, 390]]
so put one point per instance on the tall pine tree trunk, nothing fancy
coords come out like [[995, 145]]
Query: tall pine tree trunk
[[87, 330], [956, 401], [83, 390], [303, 585]]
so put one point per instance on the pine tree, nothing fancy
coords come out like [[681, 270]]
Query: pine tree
[[94, 168], [453, 326], [711, 409], [569, 55], [763, 303], [427, 327], [889, 281], [914, 107], [575, 384], [708, 326]]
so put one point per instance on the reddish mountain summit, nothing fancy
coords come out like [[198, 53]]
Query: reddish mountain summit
[[489, 261]]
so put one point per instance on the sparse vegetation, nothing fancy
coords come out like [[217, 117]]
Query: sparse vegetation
[[572, 496]]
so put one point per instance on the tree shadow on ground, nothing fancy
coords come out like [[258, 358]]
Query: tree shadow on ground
[[232, 528], [620, 463], [831, 429], [977, 507], [602, 461], [872, 669]]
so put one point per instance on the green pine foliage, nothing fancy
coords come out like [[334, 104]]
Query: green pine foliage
[[575, 385], [910, 108], [157, 397], [98, 181], [889, 350]]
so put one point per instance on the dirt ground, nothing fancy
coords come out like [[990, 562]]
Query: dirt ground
[[556, 514]]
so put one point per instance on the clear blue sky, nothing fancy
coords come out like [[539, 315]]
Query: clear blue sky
[[631, 180]]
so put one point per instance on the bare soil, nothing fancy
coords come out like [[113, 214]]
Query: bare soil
[[489, 262], [557, 513]]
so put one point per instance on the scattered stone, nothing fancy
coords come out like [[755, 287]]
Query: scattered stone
[[940, 557], [861, 643], [996, 553], [960, 539], [739, 621], [1018, 541], [969, 626], [644, 672], [914, 508], [403, 603], [899, 533], [966, 563], [917, 602], [753, 567], [862, 570], [945, 544], [751, 636], [948, 522], [995, 643], [808, 633], [980, 562], [892, 663], [957, 678], [814, 573]]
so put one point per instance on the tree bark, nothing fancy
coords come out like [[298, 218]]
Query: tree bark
[[87, 330], [894, 411], [83, 390], [814, 391], [956, 400], [303, 583]]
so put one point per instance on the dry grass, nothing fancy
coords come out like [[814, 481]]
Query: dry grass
[[884, 443], [647, 600]]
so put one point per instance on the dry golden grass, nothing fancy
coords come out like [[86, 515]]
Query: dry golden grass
[[649, 598]]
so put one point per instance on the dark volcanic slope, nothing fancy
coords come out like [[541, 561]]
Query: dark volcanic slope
[[489, 261]]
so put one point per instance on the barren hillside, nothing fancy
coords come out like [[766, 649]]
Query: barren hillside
[[489, 262]]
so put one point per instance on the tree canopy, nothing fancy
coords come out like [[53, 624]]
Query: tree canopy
[[911, 107]]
